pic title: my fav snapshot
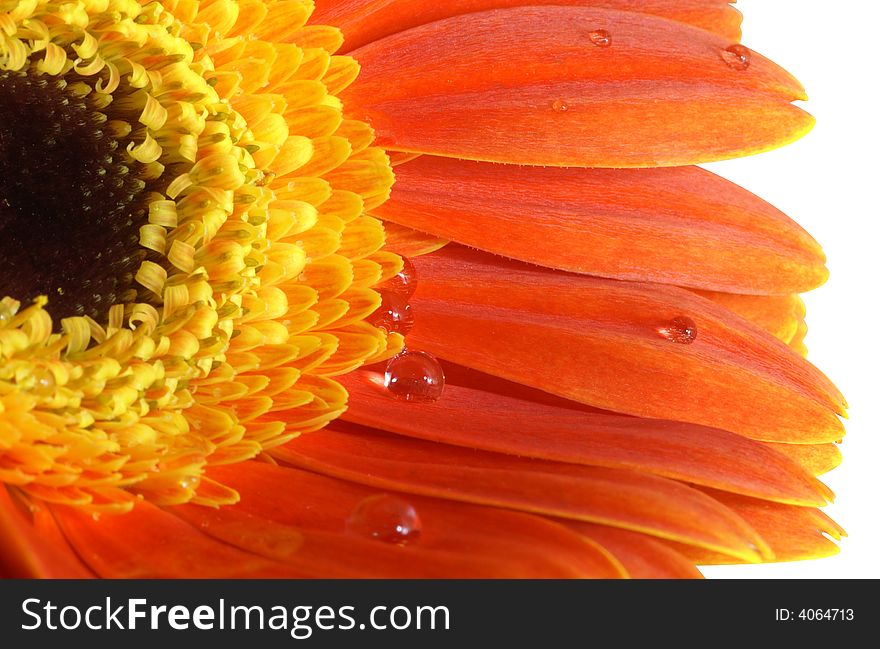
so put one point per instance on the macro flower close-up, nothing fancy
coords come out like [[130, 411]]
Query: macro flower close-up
[[399, 288]]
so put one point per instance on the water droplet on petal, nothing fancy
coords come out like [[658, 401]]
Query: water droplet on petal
[[394, 315], [415, 376], [600, 37], [404, 283], [737, 57], [560, 106], [680, 330], [189, 482], [44, 381], [386, 518], [5, 314]]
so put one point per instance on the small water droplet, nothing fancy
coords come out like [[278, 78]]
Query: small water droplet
[[386, 518], [44, 381], [415, 376], [5, 314], [189, 482], [560, 106], [394, 315], [404, 283], [737, 57], [681, 330], [600, 37]]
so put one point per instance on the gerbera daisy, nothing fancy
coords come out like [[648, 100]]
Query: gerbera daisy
[[230, 348]]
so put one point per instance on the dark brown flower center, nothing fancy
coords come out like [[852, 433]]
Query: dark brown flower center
[[71, 201]]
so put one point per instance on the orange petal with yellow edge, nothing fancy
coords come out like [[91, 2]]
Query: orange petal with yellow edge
[[292, 524], [481, 419], [611, 344], [779, 315], [149, 543], [456, 540], [681, 226], [814, 458], [363, 21], [410, 243], [529, 85], [641, 556], [616, 497], [793, 533]]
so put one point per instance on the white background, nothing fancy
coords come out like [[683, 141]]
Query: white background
[[828, 182]]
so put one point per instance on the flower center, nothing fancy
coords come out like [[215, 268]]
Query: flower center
[[182, 188], [71, 200]]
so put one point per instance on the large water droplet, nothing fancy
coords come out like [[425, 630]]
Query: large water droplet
[[737, 57], [394, 315], [386, 518], [404, 283], [560, 106], [680, 330], [600, 37], [415, 376]]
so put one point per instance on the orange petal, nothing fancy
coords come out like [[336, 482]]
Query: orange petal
[[797, 341], [410, 243], [793, 533], [641, 556], [779, 315], [616, 497], [31, 546], [456, 540], [814, 458], [602, 342], [527, 85], [681, 226], [477, 418], [363, 21], [149, 542]]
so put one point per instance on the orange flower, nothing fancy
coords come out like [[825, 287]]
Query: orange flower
[[621, 390]]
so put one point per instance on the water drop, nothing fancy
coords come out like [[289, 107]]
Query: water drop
[[394, 315], [404, 283], [386, 518], [44, 381], [560, 106], [737, 57], [600, 37], [681, 330], [5, 314], [189, 482], [414, 376]]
